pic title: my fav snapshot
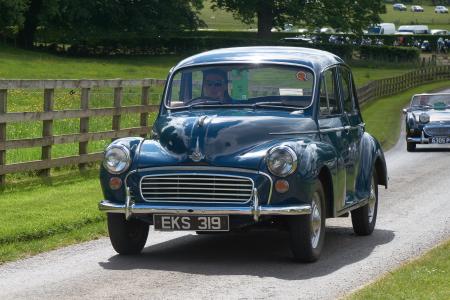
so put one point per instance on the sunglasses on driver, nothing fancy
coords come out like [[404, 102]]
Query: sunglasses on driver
[[215, 83]]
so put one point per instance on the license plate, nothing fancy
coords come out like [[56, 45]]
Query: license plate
[[440, 140], [200, 223]]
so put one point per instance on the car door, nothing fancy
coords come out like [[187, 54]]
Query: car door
[[353, 131], [331, 126]]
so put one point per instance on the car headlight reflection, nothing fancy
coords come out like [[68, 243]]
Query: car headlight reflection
[[281, 161], [117, 159], [424, 118]]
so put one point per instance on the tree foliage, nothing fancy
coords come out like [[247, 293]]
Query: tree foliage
[[78, 19], [344, 15]]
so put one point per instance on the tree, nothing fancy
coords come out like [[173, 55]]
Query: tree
[[11, 13], [110, 18], [340, 14]]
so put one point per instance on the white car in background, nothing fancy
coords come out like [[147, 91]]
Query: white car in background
[[399, 6], [417, 8], [441, 9], [439, 32]]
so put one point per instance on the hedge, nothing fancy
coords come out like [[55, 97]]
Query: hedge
[[389, 53]]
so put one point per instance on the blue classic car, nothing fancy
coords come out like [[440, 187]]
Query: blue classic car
[[247, 137], [428, 120]]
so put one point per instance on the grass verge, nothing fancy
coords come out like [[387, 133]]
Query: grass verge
[[424, 278], [50, 215]]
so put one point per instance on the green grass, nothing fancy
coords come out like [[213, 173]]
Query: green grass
[[221, 19], [363, 75], [23, 64], [383, 117], [41, 215], [408, 17], [424, 278]]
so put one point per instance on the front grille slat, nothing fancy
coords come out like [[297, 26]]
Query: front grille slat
[[208, 188], [437, 131]]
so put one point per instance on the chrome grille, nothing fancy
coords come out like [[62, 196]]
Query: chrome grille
[[196, 188], [437, 131]]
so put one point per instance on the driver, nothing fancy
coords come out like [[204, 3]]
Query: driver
[[424, 100], [215, 85]]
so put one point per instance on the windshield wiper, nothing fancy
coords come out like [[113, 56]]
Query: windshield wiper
[[275, 104], [423, 106]]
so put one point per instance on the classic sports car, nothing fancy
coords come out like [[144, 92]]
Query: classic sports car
[[428, 120], [246, 137]]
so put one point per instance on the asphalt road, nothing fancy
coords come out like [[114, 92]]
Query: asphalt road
[[414, 215]]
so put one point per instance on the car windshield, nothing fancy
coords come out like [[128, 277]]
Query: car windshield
[[438, 101], [241, 85]]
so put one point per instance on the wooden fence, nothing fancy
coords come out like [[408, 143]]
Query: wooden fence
[[390, 86], [374, 89], [48, 115]]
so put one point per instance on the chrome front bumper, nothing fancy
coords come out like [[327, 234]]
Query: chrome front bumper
[[148, 208]]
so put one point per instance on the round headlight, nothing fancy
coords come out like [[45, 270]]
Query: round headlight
[[117, 159], [424, 118], [281, 161]]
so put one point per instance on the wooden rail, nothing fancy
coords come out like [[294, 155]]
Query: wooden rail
[[84, 113], [374, 89], [390, 86]]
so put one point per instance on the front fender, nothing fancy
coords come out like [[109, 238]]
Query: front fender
[[134, 145], [312, 157], [371, 158]]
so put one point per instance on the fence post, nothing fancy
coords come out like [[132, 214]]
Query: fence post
[[3, 101], [47, 128], [118, 95], [144, 101], [84, 125]]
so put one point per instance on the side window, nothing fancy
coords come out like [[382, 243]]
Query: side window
[[347, 95], [329, 96]]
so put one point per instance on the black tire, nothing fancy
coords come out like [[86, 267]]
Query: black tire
[[307, 245], [411, 147], [365, 217], [127, 237]]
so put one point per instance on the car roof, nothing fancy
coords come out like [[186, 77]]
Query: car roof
[[313, 58]]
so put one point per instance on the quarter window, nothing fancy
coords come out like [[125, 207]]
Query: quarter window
[[329, 104], [347, 95]]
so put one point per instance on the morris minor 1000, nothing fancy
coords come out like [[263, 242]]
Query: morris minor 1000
[[245, 137]]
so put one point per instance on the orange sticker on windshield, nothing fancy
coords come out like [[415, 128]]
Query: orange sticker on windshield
[[301, 76]]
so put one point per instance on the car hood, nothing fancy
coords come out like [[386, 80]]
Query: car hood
[[230, 137]]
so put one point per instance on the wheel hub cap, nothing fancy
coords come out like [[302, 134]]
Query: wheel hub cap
[[316, 221]]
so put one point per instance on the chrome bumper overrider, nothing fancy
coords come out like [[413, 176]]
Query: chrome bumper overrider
[[421, 140], [130, 208]]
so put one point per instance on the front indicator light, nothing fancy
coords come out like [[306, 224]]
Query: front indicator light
[[115, 183], [281, 186]]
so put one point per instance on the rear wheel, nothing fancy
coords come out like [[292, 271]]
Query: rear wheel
[[410, 147], [307, 232], [127, 236], [365, 217]]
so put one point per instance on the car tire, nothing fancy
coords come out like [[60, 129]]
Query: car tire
[[410, 147], [365, 217], [127, 236], [307, 232]]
